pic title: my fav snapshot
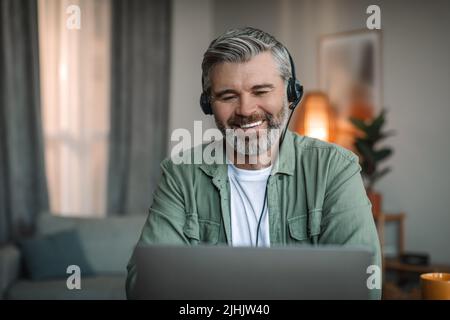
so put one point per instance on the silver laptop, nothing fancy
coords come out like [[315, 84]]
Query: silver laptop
[[210, 272]]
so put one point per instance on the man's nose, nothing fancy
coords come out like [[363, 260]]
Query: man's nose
[[247, 106]]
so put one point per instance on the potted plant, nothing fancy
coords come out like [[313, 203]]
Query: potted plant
[[371, 155]]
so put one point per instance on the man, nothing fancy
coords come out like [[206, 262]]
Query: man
[[272, 188]]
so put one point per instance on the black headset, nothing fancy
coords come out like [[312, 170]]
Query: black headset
[[294, 91], [294, 95]]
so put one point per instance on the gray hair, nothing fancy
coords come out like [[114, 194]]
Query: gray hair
[[240, 45]]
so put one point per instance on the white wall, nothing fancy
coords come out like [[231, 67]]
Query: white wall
[[416, 84], [416, 78], [263, 14]]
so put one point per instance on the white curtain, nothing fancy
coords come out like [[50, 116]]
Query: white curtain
[[75, 77]]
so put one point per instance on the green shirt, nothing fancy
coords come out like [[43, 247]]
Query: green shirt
[[315, 196]]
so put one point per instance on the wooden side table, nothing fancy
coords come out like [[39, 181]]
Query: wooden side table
[[391, 291], [381, 220]]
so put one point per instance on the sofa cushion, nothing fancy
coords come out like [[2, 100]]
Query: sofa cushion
[[98, 287], [48, 256], [107, 242]]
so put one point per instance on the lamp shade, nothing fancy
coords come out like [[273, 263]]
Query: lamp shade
[[315, 117]]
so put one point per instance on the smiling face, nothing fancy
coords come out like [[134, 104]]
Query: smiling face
[[249, 103]]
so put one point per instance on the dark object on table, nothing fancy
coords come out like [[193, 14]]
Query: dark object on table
[[421, 259]]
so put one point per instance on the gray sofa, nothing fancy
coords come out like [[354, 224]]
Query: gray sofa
[[107, 244]]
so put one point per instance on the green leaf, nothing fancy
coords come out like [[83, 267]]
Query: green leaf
[[365, 151], [377, 124], [365, 146], [374, 129], [386, 134], [382, 154], [359, 124]]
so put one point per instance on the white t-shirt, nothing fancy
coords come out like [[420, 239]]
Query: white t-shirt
[[247, 189]]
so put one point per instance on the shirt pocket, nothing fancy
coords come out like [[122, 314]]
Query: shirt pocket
[[297, 229], [201, 231], [209, 232], [305, 228]]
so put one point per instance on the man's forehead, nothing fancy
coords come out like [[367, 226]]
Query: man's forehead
[[261, 69]]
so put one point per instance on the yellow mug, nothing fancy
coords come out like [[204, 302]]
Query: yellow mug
[[435, 286]]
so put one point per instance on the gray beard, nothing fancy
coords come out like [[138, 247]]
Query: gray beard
[[254, 144]]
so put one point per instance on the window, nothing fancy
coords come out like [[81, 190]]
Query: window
[[75, 72]]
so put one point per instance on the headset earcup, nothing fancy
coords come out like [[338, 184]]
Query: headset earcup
[[291, 90], [294, 92], [204, 103], [298, 91]]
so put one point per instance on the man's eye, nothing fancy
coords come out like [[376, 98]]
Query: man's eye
[[261, 93], [227, 98]]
